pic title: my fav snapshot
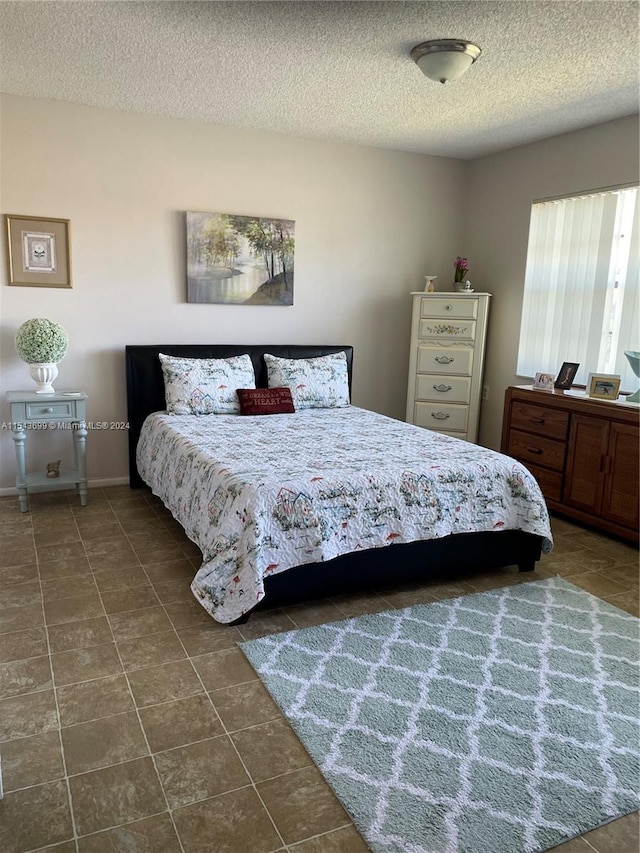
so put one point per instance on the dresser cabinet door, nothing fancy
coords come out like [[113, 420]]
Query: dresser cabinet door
[[588, 444], [620, 499]]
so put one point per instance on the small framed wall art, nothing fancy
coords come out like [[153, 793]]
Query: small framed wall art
[[38, 251], [603, 386], [566, 375]]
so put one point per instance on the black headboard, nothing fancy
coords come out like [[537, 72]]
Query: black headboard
[[145, 382]]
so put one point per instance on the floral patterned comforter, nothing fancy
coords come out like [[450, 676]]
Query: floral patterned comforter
[[260, 494]]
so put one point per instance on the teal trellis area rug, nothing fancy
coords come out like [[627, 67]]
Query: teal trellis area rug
[[499, 722]]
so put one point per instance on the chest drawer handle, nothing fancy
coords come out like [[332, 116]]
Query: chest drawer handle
[[439, 416], [442, 388], [537, 450], [447, 307], [48, 410], [537, 420], [443, 359]]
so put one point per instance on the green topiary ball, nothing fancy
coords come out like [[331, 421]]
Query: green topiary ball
[[39, 341]]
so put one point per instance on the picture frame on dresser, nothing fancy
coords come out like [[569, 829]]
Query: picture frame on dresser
[[566, 375], [543, 382], [603, 386]]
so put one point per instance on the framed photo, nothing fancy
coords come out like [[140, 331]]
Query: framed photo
[[567, 374], [38, 251], [603, 386], [543, 382]]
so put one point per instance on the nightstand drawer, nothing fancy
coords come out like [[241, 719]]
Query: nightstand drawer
[[454, 307], [445, 360], [452, 389], [50, 411], [534, 448], [540, 420]]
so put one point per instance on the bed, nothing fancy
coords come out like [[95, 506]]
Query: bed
[[289, 507]]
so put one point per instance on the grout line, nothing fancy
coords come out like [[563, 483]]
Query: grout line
[[142, 729], [57, 706]]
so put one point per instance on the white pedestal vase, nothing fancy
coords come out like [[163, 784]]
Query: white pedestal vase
[[43, 374]]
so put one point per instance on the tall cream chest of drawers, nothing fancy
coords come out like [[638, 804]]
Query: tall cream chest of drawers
[[448, 337]]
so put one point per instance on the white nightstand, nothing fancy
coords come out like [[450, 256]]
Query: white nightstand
[[44, 413]]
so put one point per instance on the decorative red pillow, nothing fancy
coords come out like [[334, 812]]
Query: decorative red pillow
[[265, 401]]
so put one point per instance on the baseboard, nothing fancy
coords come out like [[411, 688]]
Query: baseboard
[[93, 484], [108, 481]]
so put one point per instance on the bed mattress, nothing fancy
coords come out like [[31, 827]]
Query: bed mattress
[[261, 494]]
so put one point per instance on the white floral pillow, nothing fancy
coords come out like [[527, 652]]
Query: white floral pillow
[[205, 386], [315, 383]]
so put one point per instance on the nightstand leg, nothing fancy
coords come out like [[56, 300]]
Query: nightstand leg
[[80, 454], [19, 437]]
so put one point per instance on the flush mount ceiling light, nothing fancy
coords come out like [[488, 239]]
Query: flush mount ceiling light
[[445, 59]]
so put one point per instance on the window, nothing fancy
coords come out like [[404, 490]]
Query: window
[[581, 291]]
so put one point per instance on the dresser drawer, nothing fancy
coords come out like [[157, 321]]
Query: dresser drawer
[[445, 360], [540, 420], [444, 416], [451, 389], [549, 481], [454, 307], [50, 411], [534, 448], [451, 330]]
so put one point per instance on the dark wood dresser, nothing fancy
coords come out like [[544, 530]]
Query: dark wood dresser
[[584, 453]]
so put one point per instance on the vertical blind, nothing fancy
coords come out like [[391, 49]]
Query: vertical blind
[[581, 288]]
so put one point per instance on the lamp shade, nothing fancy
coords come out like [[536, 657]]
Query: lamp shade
[[445, 59]]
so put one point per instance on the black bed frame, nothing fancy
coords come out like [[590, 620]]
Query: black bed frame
[[375, 568]]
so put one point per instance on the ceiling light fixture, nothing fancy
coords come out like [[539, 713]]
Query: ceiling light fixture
[[445, 59]]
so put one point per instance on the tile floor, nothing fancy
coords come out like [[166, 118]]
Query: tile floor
[[130, 721]]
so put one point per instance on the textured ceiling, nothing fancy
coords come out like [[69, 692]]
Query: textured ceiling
[[333, 70]]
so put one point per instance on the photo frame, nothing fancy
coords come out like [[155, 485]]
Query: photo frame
[[603, 386], [543, 382], [38, 251], [566, 375]]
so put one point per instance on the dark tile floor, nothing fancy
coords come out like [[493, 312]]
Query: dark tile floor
[[129, 719]]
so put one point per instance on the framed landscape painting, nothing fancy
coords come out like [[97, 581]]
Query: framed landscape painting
[[239, 260]]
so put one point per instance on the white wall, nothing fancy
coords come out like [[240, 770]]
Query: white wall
[[499, 192], [370, 224]]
